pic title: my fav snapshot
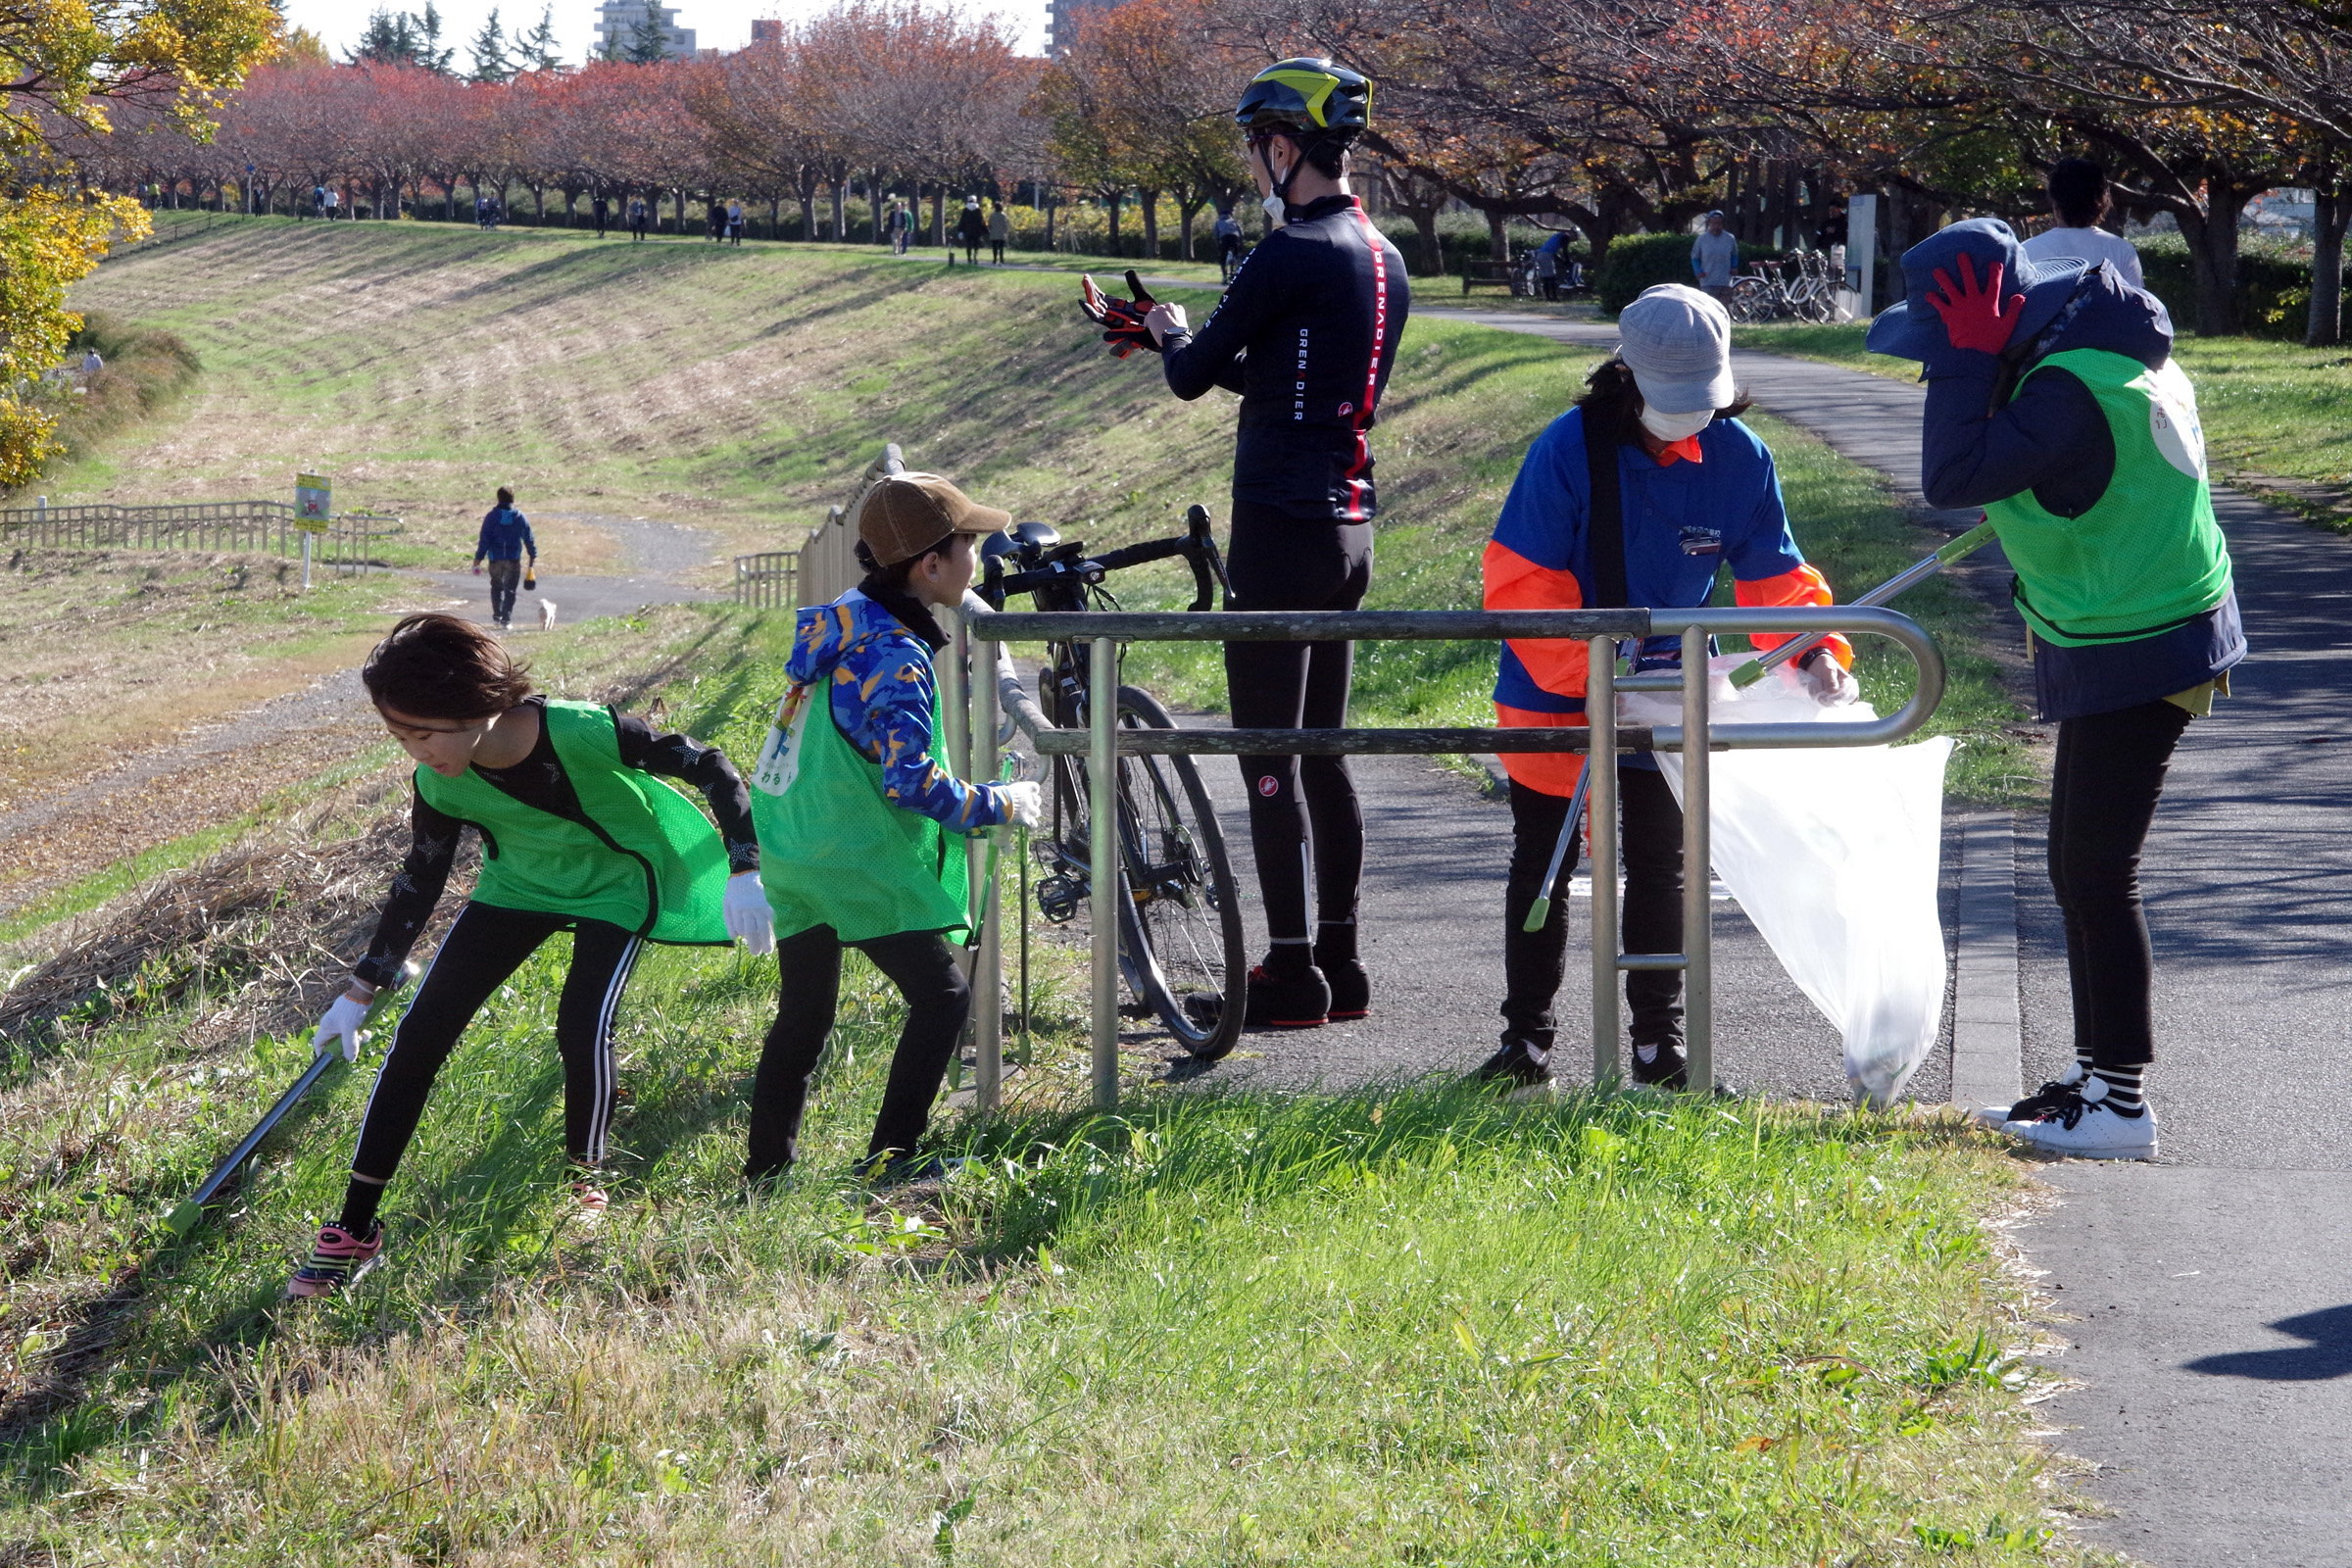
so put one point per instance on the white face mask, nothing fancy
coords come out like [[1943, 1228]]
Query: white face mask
[[1277, 210], [1673, 427]]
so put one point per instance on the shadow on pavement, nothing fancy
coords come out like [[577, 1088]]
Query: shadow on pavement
[[2328, 1355]]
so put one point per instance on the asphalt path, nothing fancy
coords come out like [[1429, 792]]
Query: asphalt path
[[658, 557], [2204, 1294]]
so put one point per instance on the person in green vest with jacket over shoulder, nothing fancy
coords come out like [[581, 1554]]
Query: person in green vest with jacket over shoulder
[[578, 835], [2054, 404], [862, 828]]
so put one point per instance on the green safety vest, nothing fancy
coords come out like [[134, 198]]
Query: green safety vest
[[646, 860], [833, 849], [2149, 555]]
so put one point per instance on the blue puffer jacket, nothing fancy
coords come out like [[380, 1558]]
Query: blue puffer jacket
[[878, 675]]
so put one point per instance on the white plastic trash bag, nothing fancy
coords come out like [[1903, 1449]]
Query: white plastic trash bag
[[1835, 856]]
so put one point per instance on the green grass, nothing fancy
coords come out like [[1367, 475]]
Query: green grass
[[2271, 411]]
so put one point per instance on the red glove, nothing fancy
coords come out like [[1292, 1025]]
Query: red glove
[[1976, 318], [1122, 320]]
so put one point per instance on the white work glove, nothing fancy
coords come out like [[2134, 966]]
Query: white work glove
[[1024, 801], [748, 918], [1827, 682], [343, 1018]]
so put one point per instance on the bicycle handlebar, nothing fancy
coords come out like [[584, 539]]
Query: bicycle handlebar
[[1195, 544]]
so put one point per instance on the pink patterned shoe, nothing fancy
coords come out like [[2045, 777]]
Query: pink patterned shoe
[[337, 1262]]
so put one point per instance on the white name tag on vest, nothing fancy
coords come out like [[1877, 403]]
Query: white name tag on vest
[[781, 758]]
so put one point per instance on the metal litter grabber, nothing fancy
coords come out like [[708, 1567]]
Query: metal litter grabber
[[184, 1217], [1910, 576], [1540, 910]]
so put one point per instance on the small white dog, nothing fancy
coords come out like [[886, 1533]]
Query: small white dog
[[547, 614]]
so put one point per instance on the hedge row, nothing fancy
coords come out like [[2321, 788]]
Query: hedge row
[[1639, 262], [2274, 284]]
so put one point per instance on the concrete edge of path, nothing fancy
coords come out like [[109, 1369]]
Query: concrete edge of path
[[1988, 1030]]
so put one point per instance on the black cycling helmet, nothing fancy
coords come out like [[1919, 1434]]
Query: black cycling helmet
[[1312, 97]]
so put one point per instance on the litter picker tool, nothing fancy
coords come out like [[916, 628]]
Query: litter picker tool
[[1910, 576], [1540, 910], [184, 1217]]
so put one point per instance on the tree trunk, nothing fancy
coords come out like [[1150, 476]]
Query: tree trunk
[[1433, 249], [1187, 207], [1046, 200], [1149, 201], [873, 193], [1112, 208], [1499, 237], [2212, 236], [938, 214], [2331, 205], [841, 211], [678, 205]]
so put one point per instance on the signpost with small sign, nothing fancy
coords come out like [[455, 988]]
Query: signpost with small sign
[[313, 508]]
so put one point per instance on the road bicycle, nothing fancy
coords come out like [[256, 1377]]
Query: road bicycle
[[1179, 911]]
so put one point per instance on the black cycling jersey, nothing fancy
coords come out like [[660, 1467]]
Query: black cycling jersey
[[1305, 333]]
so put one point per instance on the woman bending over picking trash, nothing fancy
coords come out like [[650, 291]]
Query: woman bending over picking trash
[[862, 831], [576, 836]]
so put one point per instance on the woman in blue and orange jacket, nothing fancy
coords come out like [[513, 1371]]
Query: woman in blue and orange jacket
[[1696, 490]]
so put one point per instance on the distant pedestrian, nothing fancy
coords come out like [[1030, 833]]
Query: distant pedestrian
[[735, 223], [334, 200], [901, 228], [1714, 257], [318, 200], [604, 211], [91, 364], [636, 219], [2079, 197], [1000, 230], [716, 220], [1548, 265], [972, 229], [505, 539], [1228, 230]]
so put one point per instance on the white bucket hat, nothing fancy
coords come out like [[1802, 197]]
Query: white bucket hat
[[1678, 343]]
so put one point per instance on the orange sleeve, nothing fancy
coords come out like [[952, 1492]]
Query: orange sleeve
[[1514, 582], [1804, 586], [1546, 772]]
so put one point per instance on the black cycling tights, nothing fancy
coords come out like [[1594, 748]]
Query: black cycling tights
[[1302, 809], [2104, 792]]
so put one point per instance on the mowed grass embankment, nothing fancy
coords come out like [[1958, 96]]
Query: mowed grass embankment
[[743, 389], [2274, 412], [1399, 1326]]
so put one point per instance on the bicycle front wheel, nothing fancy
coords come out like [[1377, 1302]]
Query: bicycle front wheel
[[1180, 923]]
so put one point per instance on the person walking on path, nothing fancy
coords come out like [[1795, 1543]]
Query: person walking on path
[[2080, 199], [580, 835], [505, 539], [972, 229], [2053, 403], [862, 829], [1634, 496], [604, 211], [1714, 257], [1306, 333], [637, 218], [901, 228], [1000, 230], [734, 221], [1228, 230], [334, 200]]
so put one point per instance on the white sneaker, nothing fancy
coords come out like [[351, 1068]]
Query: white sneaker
[[2083, 1127], [2048, 1096]]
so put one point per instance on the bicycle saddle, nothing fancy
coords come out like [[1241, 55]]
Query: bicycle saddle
[[1035, 536]]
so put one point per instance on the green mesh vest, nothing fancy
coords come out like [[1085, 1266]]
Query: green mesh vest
[[2149, 555], [647, 860], [833, 849]]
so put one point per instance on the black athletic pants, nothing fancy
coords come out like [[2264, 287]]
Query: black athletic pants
[[483, 948], [939, 998], [2103, 793], [1651, 915], [505, 577], [1303, 809]]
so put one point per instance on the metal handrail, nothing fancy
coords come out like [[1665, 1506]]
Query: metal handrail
[[1601, 737]]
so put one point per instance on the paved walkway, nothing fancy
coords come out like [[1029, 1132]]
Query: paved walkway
[[2209, 1308]]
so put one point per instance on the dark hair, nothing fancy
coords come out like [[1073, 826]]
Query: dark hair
[[505, 497], [1612, 403], [2079, 193], [438, 667], [892, 578]]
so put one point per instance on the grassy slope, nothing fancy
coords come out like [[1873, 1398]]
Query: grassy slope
[[1397, 1327], [2271, 411]]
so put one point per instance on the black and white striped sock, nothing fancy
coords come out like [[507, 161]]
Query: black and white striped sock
[[2123, 1090]]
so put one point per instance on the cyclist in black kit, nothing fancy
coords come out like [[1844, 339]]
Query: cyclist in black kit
[[1305, 333]]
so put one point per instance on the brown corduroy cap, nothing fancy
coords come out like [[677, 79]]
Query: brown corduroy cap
[[907, 513]]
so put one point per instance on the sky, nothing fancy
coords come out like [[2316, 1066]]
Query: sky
[[716, 23]]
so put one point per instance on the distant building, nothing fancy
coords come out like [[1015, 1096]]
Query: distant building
[[769, 32], [1061, 21], [617, 22]]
